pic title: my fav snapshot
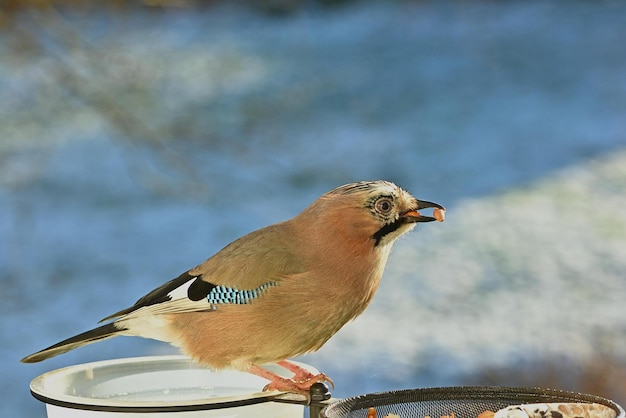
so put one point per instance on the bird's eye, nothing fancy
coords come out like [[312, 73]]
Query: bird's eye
[[383, 205]]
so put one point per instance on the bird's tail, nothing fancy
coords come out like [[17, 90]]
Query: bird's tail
[[101, 333]]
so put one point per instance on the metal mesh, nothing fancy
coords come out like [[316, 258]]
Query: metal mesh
[[463, 401]]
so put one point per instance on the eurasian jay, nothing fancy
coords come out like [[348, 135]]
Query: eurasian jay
[[278, 292]]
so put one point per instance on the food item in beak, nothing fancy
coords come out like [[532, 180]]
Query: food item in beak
[[439, 214]]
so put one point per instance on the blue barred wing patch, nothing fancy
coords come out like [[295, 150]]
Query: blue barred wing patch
[[232, 295]]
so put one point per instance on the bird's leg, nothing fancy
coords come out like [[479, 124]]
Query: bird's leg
[[301, 386], [303, 375]]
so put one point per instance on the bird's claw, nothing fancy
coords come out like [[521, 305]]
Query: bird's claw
[[303, 376], [299, 383]]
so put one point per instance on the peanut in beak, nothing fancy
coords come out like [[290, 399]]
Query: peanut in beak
[[439, 214]]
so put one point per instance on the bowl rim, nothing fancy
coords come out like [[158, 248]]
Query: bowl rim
[[41, 392]]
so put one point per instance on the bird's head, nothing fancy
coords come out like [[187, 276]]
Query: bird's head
[[378, 210]]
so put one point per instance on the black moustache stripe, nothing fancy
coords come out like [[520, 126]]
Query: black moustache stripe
[[387, 229]]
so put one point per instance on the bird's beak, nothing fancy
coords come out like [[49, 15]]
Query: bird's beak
[[414, 216]]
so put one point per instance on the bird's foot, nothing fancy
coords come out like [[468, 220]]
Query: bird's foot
[[296, 386], [303, 375], [300, 383]]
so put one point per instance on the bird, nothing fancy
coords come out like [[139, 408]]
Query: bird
[[278, 292]]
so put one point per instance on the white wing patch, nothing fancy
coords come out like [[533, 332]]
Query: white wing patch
[[181, 291]]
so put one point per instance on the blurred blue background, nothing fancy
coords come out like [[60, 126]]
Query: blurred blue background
[[136, 141]]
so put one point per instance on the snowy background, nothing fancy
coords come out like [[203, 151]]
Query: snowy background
[[135, 143]]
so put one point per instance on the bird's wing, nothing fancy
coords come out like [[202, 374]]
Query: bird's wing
[[240, 272]]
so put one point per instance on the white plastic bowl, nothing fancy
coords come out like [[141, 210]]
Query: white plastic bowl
[[158, 386]]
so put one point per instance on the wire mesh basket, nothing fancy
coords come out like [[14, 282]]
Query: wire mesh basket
[[462, 401]]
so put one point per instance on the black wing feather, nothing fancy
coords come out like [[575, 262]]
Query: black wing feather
[[199, 289], [158, 295]]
